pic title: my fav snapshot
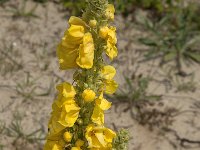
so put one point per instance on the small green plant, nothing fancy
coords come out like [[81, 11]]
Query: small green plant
[[27, 88], [41, 60], [135, 93], [9, 59], [16, 131], [175, 37]]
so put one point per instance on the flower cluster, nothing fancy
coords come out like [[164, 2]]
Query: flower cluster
[[77, 118]]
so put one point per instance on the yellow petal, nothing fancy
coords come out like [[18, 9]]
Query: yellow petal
[[98, 116], [52, 145], [111, 50], [111, 86], [100, 138], [103, 103], [66, 94], [76, 21], [79, 143], [109, 135], [67, 90], [69, 114], [110, 11], [86, 52], [103, 32], [75, 32], [112, 35], [108, 72], [67, 58]]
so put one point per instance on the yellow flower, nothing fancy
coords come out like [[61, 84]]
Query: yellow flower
[[52, 145], [86, 52], [112, 35], [62, 118], [98, 112], [109, 34], [66, 54], [111, 86], [98, 115], [69, 114], [68, 47], [110, 12], [67, 136], [65, 111], [66, 93], [99, 137], [111, 50], [103, 103], [88, 95], [93, 23], [76, 47], [55, 128], [108, 73]]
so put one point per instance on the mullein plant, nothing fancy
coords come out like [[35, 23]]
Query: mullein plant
[[77, 118]]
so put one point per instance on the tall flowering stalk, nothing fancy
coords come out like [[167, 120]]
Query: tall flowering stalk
[[77, 119]]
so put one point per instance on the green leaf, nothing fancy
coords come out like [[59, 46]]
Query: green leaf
[[194, 56], [147, 41], [170, 56]]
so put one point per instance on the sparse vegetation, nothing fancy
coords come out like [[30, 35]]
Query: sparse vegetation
[[175, 37], [165, 86], [9, 59], [16, 131]]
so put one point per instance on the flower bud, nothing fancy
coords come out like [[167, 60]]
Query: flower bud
[[103, 32], [67, 136], [88, 95], [80, 121], [93, 23]]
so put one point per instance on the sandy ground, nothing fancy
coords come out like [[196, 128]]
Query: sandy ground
[[29, 73]]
